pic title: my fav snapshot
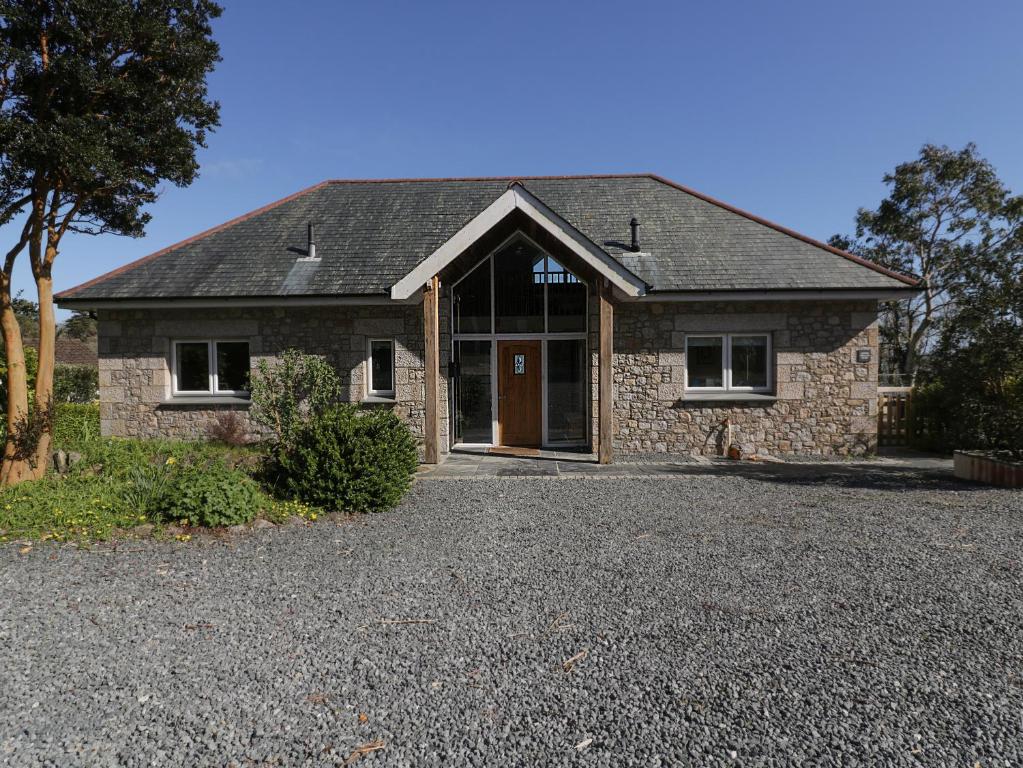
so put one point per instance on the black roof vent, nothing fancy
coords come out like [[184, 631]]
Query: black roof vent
[[634, 224]]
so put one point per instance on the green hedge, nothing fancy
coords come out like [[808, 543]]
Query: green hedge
[[75, 383], [948, 415], [348, 459]]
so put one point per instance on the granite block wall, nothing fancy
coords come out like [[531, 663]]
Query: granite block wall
[[823, 402], [135, 354]]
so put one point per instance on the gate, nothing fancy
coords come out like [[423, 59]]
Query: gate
[[893, 404]]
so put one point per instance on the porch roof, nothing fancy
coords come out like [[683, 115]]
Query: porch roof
[[370, 235]]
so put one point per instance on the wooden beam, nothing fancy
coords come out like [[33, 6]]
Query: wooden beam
[[431, 332], [605, 452]]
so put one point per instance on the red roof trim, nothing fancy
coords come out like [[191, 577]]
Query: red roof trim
[[69, 293], [911, 281]]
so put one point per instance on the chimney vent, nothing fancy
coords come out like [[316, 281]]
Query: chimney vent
[[634, 224], [311, 250]]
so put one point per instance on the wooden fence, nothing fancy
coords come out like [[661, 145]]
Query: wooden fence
[[893, 404]]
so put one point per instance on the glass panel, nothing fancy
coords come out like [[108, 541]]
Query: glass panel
[[472, 400], [749, 361], [704, 361], [518, 288], [382, 362], [520, 364], [566, 300], [566, 391], [472, 301], [232, 366], [193, 366]]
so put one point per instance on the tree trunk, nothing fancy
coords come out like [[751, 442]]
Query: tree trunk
[[15, 466], [44, 375]]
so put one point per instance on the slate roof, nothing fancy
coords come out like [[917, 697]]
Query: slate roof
[[369, 234]]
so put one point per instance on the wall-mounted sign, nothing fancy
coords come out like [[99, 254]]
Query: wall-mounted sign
[[862, 355], [520, 364]]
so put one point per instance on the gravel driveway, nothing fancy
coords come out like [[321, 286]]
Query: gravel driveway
[[601, 621]]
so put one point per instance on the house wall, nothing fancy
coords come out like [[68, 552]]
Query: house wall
[[134, 360], [826, 402]]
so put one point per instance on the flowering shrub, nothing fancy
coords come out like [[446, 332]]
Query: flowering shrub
[[290, 392]]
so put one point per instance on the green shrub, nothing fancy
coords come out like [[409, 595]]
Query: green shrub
[[347, 459], [75, 425], [211, 496], [297, 388], [75, 383]]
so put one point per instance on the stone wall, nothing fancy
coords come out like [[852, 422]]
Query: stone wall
[[825, 402], [135, 348]]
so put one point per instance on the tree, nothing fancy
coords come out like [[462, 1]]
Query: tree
[[946, 214], [81, 325], [100, 102], [27, 313], [972, 395]]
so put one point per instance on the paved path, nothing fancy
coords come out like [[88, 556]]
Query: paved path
[[561, 464]]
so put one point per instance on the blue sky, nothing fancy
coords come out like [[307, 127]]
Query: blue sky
[[792, 110]]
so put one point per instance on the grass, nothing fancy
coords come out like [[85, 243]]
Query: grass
[[100, 497]]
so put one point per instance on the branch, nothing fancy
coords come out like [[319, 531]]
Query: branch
[[12, 254], [12, 209], [53, 239]]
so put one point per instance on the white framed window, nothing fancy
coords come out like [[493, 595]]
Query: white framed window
[[729, 362], [380, 368], [213, 367]]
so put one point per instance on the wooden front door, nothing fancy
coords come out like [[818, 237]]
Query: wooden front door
[[518, 393]]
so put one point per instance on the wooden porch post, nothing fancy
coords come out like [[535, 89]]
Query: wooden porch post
[[605, 453], [431, 321]]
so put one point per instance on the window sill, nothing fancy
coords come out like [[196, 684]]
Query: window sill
[[379, 400], [729, 397], [193, 400]]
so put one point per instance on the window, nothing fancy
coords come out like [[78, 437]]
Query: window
[[380, 382], [567, 374], [211, 368], [739, 362], [519, 289]]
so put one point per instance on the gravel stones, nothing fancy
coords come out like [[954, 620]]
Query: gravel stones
[[704, 620]]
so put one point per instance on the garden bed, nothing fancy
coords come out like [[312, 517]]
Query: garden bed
[[989, 468], [320, 455]]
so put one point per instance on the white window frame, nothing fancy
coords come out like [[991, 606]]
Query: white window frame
[[726, 362], [370, 390], [211, 373]]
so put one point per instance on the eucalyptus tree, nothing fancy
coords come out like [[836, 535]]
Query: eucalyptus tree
[[947, 218]]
